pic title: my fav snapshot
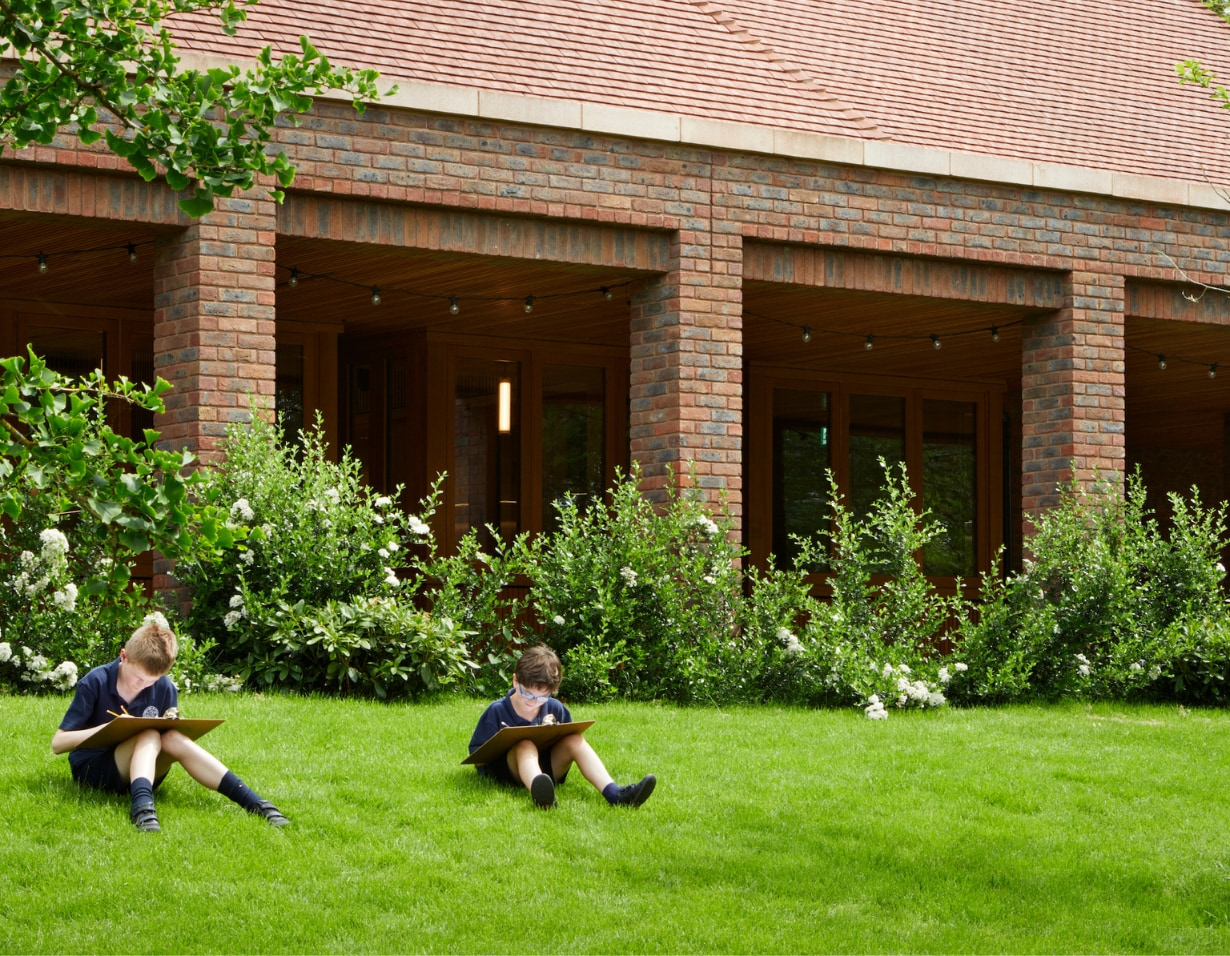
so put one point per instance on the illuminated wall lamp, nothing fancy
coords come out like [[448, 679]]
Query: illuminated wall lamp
[[504, 420]]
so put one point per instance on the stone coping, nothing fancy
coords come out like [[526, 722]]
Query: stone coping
[[708, 133]]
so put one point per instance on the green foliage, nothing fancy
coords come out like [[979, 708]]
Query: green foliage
[[79, 503], [110, 70], [377, 646], [319, 596], [646, 599], [1110, 604]]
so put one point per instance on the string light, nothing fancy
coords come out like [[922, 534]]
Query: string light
[[453, 305], [132, 252], [529, 304], [42, 262], [607, 293], [294, 278], [1213, 370], [994, 333], [870, 343], [806, 334], [375, 295], [1161, 362], [935, 342]]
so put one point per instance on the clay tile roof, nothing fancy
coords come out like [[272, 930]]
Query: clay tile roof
[[1077, 82]]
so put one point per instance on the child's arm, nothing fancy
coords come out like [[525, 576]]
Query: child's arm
[[62, 741]]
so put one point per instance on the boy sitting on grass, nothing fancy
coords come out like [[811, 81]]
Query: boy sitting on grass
[[535, 679], [136, 684]]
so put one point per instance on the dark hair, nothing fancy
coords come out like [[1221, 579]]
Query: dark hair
[[539, 667]]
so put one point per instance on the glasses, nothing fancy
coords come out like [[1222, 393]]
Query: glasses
[[532, 698]]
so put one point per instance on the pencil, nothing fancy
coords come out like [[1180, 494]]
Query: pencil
[[113, 713]]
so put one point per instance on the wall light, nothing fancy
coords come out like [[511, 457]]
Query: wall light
[[504, 419]]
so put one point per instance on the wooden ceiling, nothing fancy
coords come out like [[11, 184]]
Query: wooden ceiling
[[1179, 406]]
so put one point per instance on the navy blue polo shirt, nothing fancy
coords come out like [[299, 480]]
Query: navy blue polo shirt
[[501, 714], [96, 694]]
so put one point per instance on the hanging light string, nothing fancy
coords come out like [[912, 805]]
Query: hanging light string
[[44, 260], [1166, 359], [453, 303], [870, 340]]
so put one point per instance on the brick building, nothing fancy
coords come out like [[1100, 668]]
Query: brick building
[[755, 238]]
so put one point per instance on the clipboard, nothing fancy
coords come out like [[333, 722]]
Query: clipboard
[[544, 735], [125, 726]]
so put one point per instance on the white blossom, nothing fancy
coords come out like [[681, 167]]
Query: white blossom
[[236, 600], [156, 617], [945, 677], [705, 525], [1084, 669], [888, 671], [383, 501], [1155, 672], [1137, 667], [558, 619], [54, 543], [904, 669], [66, 598], [232, 618], [247, 557], [417, 525], [384, 553], [64, 676], [333, 495], [242, 510], [6, 651], [394, 546], [628, 575], [390, 578], [789, 641], [875, 709], [961, 667]]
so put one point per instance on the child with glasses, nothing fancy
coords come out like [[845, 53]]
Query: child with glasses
[[535, 679], [136, 683]]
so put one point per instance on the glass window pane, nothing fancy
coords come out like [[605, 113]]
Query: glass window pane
[[486, 470], [801, 457], [573, 437], [950, 486], [877, 430], [71, 352], [288, 394]]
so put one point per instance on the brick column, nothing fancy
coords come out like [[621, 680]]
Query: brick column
[[214, 326], [1072, 409], [687, 369]]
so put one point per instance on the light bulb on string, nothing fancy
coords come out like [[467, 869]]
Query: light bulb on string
[[375, 295], [1161, 362], [293, 282], [529, 304], [132, 252], [806, 334], [870, 343], [935, 342], [607, 293], [1213, 370], [994, 334], [453, 305], [42, 262]]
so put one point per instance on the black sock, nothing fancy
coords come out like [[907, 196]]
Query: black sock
[[142, 792], [235, 789]]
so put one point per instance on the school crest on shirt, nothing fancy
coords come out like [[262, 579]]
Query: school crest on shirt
[[150, 711]]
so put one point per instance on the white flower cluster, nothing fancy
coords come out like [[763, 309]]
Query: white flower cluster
[[38, 571], [391, 579], [36, 669], [237, 612], [418, 526], [789, 641], [212, 683], [558, 619], [704, 525], [242, 511], [1082, 665], [917, 692], [875, 708], [628, 575]]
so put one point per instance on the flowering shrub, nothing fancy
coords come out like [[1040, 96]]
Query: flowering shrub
[[640, 602], [1109, 605], [320, 595]]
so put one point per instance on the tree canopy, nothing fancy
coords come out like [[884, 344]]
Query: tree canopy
[[109, 68]]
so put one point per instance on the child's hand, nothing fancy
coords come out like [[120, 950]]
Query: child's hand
[[171, 712], [548, 720]]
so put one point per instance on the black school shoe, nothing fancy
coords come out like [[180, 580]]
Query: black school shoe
[[542, 790], [145, 817], [634, 794], [271, 813]]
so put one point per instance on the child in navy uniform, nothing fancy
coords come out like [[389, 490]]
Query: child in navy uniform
[[530, 701], [137, 684]]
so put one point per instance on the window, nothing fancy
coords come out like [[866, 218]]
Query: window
[[573, 437], [800, 429], [486, 448]]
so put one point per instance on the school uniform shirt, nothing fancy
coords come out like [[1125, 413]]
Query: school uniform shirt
[[500, 713], [96, 694]]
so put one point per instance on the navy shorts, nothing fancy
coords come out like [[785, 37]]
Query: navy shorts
[[101, 773], [498, 770]]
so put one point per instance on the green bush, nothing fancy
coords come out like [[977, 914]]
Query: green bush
[[1107, 600], [321, 595]]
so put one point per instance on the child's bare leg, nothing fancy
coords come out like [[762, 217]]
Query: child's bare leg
[[523, 762], [576, 749], [201, 765], [137, 756]]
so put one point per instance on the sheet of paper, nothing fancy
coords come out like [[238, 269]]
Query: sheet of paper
[[124, 727]]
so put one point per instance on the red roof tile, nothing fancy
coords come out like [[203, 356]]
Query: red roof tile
[[1078, 82]]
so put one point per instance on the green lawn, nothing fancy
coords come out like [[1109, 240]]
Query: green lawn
[[1067, 829]]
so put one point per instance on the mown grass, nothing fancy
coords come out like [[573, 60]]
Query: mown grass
[[1027, 829]]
